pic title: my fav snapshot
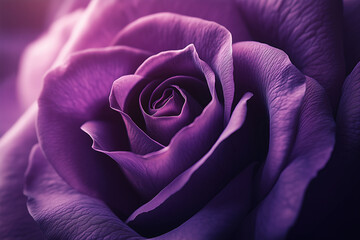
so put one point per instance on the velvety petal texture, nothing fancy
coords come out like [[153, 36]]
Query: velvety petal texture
[[311, 151], [15, 146], [331, 206], [309, 32], [289, 165], [281, 87], [64, 213]]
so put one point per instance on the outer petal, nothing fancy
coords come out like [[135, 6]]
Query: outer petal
[[73, 94], [308, 31], [15, 146], [290, 165], [268, 73], [221, 217], [64, 213], [160, 32], [352, 32], [312, 150], [331, 207]]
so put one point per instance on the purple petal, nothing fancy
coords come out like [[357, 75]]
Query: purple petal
[[74, 94], [184, 62], [165, 31], [111, 136], [221, 217], [331, 206], [216, 168], [107, 134], [15, 146], [352, 32], [309, 32], [64, 213], [312, 149], [276, 83], [123, 88], [178, 111]]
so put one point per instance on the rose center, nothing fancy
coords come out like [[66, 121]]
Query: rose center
[[167, 106]]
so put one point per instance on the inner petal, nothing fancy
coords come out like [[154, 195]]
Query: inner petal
[[166, 96], [167, 111], [170, 105]]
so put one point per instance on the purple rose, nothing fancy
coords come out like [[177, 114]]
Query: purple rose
[[171, 120]]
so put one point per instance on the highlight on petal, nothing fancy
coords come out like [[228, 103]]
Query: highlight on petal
[[309, 32], [74, 94], [64, 213], [165, 31]]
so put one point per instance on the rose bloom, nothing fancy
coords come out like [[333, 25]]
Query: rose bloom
[[217, 119]]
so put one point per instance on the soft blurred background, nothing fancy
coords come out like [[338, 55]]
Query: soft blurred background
[[21, 22]]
